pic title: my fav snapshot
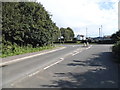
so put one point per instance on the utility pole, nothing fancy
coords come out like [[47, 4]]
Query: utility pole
[[99, 32], [86, 32]]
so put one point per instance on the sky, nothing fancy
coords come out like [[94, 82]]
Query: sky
[[82, 14]]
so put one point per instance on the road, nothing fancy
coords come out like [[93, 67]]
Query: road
[[73, 66]]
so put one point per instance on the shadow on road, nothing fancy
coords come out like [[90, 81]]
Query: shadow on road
[[102, 75]]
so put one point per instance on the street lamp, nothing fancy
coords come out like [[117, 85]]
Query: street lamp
[[86, 32], [99, 32]]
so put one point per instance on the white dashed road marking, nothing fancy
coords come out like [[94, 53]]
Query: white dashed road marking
[[54, 64], [60, 60]]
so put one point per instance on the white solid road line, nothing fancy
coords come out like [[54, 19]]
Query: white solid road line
[[20, 59], [61, 59], [77, 51], [54, 64], [32, 74]]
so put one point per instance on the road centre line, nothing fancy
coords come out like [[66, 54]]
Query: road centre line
[[18, 80], [61, 59], [30, 75], [53, 64], [77, 51], [34, 73], [20, 59]]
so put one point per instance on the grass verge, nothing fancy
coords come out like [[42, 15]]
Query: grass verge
[[17, 50]]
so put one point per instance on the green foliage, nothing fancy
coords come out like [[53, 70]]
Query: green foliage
[[11, 50], [116, 36], [116, 47], [116, 50], [27, 27], [67, 33], [27, 23]]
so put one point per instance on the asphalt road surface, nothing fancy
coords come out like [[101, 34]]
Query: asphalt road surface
[[72, 67]]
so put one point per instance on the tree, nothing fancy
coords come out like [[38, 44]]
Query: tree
[[67, 33], [27, 23], [116, 36], [71, 33]]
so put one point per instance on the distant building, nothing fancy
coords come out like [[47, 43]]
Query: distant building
[[105, 39], [96, 39], [80, 37]]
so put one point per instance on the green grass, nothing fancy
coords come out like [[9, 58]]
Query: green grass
[[7, 51]]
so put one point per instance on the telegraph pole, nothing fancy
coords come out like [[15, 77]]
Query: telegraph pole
[[99, 32], [86, 31]]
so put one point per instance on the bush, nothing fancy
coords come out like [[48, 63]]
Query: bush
[[12, 50], [116, 50], [27, 23]]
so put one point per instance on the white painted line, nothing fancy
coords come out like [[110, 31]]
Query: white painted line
[[77, 51], [34, 73], [18, 80], [20, 59], [89, 47], [61, 59], [53, 64]]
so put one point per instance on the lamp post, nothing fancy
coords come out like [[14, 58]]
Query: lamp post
[[86, 32], [99, 32]]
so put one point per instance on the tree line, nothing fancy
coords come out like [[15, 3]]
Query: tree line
[[116, 47], [116, 36], [28, 23]]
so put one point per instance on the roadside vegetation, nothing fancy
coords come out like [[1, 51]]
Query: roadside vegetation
[[9, 51], [116, 50], [116, 47], [28, 27]]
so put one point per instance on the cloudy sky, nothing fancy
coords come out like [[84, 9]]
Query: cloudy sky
[[79, 14]]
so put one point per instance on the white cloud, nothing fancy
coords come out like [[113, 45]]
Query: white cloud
[[78, 14]]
